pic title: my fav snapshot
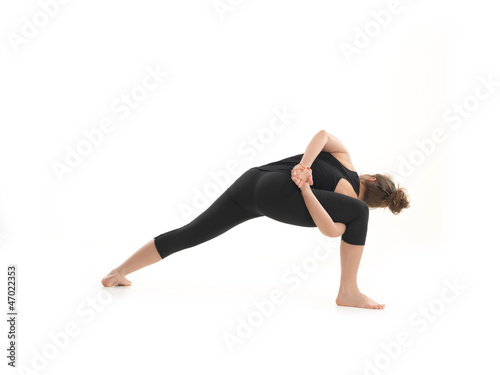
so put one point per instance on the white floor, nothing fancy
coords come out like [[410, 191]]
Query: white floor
[[176, 315]]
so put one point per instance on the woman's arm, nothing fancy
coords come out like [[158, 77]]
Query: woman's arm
[[322, 141], [319, 215], [314, 148]]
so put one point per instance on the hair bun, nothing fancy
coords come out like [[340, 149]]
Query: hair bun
[[397, 200]]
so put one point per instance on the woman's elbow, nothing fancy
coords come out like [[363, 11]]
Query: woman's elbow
[[323, 132]]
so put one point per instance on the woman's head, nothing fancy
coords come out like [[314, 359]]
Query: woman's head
[[380, 191]]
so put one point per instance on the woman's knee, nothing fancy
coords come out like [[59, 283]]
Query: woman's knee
[[365, 211], [361, 222], [356, 231]]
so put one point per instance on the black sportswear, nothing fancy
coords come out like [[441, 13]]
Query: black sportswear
[[272, 193], [327, 171]]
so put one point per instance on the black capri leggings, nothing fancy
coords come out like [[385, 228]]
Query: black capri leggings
[[273, 194]]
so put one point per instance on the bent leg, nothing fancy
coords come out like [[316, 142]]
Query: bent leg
[[349, 294], [279, 198], [354, 213]]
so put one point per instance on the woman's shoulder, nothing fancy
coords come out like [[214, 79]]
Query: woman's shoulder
[[345, 159]]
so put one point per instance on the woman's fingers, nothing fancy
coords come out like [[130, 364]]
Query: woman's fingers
[[298, 177], [294, 176]]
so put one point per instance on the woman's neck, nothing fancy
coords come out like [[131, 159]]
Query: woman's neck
[[361, 190]]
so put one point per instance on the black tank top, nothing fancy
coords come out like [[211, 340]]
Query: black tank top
[[327, 171]]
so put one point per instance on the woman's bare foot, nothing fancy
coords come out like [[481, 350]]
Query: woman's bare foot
[[115, 278], [357, 299]]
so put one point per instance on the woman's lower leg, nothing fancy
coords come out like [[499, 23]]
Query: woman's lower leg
[[350, 257], [143, 257], [222, 215], [349, 294]]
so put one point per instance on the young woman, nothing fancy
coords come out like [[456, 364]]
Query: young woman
[[338, 205]]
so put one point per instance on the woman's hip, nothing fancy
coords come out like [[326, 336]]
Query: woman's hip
[[243, 189]]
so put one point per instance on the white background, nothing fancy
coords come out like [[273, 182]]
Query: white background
[[229, 72]]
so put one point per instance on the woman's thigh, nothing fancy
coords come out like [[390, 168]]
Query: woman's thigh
[[279, 198]]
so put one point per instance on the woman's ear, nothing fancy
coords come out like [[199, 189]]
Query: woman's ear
[[368, 178]]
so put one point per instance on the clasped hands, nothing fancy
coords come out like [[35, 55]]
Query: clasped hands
[[302, 176]]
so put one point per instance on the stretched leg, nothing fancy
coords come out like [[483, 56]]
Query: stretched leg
[[224, 214]]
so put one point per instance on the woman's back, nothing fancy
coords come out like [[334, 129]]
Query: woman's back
[[327, 171]]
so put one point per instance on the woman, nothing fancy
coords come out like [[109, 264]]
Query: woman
[[337, 205]]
